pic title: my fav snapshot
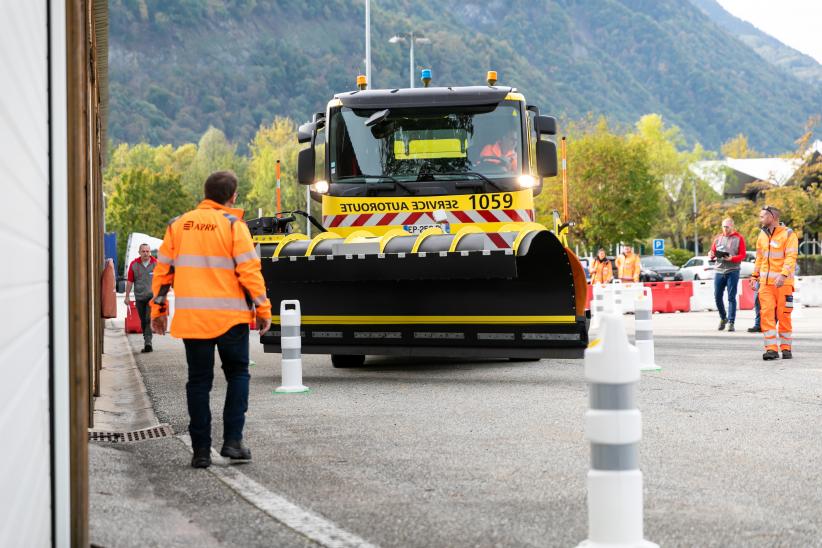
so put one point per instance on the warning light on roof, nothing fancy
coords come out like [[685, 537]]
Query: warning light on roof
[[425, 76], [492, 77], [362, 83]]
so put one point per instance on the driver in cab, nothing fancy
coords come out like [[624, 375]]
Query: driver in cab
[[503, 152]]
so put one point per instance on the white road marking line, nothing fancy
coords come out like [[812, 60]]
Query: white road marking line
[[302, 521]]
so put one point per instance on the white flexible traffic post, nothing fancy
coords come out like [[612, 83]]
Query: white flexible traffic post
[[598, 304], [644, 330], [613, 425], [616, 297], [291, 346]]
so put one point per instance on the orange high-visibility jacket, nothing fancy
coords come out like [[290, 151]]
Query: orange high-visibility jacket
[[628, 267], [495, 151], [776, 254], [209, 258], [601, 271]]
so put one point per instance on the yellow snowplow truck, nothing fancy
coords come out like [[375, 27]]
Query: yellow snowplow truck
[[429, 246]]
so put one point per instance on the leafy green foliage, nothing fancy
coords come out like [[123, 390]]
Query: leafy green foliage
[[144, 201], [177, 68], [615, 196], [678, 256]]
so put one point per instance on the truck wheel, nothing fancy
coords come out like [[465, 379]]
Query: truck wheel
[[344, 361]]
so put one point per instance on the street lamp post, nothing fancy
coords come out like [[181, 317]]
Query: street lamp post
[[411, 38], [367, 44]]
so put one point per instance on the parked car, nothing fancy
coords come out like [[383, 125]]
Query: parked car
[[702, 268], [698, 268], [657, 268]]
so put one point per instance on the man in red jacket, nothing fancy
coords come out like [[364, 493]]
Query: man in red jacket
[[728, 250]]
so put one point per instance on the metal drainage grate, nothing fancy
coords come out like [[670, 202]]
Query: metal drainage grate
[[159, 431]]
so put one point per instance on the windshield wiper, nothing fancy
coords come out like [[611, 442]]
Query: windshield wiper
[[472, 174], [396, 183]]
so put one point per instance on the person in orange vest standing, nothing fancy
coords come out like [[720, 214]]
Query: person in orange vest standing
[[628, 265], [601, 270], [776, 252], [209, 258]]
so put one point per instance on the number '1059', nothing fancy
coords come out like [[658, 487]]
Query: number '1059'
[[494, 201]]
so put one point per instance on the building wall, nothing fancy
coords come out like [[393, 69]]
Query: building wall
[[25, 458]]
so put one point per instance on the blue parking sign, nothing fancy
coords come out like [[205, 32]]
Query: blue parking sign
[[659, 246]]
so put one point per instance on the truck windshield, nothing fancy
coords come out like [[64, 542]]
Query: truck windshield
[[423, 144]]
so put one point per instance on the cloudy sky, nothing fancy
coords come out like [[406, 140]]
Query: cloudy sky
[[793, 22]]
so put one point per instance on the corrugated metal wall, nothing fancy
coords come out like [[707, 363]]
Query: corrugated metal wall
[[25, 483]]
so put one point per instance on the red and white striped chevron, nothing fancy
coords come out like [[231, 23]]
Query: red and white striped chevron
[[427, 218]]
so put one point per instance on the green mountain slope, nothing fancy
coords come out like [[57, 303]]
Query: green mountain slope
[[178, 67], [802, 66]]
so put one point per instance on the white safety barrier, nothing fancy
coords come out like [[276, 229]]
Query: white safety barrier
[[630, 293], [703, 295], [810, 288], [613, 425], [799, 284], [291, 346], [644, 330]]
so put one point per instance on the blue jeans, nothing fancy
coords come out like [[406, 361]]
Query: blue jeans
[[233, 349], [729, 280]]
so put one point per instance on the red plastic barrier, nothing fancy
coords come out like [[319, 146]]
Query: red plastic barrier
[[671, 296], [590, 297], [133, 324], [747, 296]]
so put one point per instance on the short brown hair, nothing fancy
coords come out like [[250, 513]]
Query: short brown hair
[[220, 186]]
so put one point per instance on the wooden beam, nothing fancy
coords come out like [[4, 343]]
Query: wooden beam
[[77, 106]]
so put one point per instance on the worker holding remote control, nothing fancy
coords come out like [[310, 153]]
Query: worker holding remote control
[[728, 250]]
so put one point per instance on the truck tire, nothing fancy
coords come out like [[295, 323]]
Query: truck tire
[[344, 361]]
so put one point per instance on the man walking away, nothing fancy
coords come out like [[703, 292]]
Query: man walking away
[[776, 251], [728, 249], [628, 265], [140, 274], [209, 258], [601, 270]]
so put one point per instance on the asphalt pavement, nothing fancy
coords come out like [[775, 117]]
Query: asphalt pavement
[[410, 453]]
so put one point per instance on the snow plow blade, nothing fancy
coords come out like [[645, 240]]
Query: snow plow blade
[[513, 294]]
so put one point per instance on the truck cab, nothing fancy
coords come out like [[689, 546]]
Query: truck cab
[[418, 158]]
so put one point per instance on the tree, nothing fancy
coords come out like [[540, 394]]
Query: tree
[[737, 147], [271, 143], [615, 197], [671, 165], [144, 201], [214, 153]]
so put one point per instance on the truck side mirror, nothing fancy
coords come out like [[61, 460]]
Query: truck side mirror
[[305, 165], [545, 125], [547, 159], [305, 132]]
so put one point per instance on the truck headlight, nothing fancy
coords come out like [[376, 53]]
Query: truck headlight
[[526, 181], [320, 187]]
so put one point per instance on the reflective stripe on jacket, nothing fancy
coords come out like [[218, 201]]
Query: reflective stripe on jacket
[[602, 272], [628, 267], [209, 258], [776, 254]]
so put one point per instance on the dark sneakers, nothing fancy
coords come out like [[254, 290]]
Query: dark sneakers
[[770, 355], [234, 450], [786, 355], [146, 349], [754, 329], [731, 326], [722, 324], [201, 458]]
